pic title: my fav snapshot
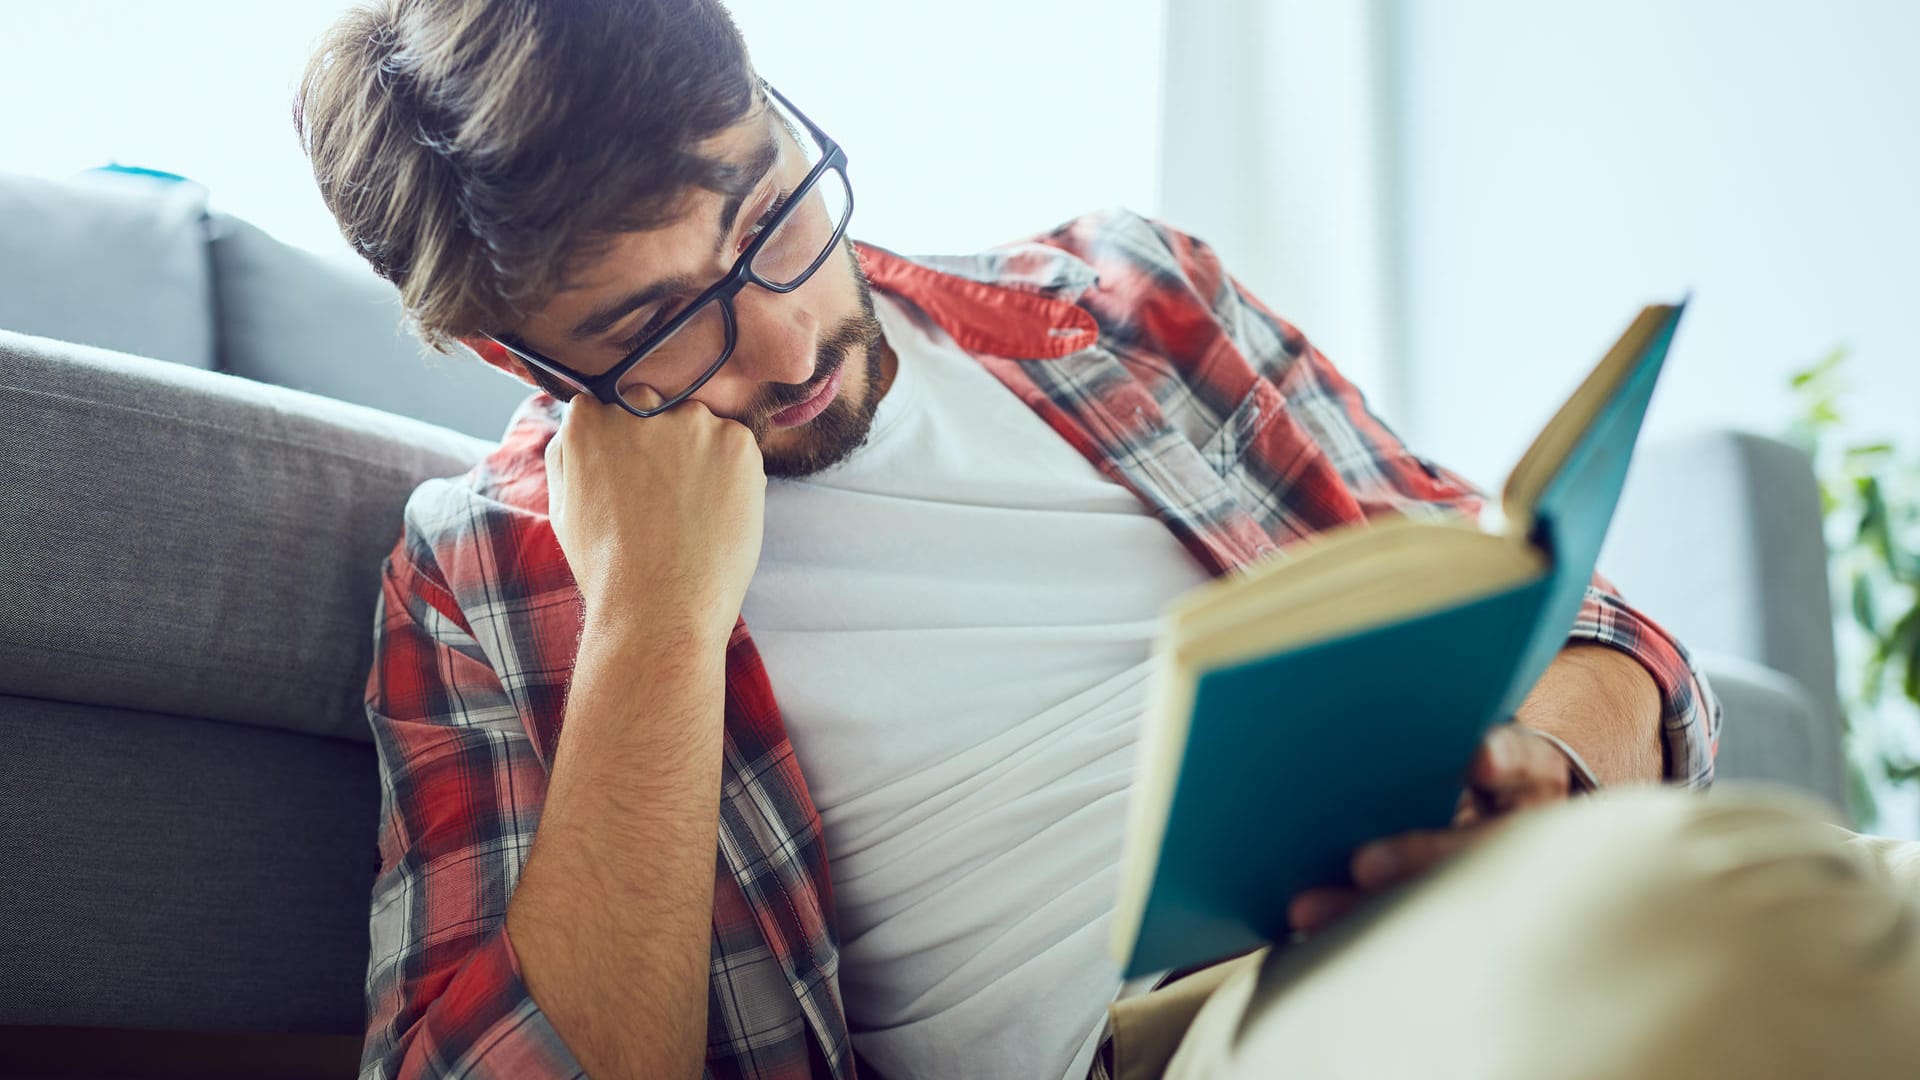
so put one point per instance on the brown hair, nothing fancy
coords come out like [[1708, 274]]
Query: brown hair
[[477, 151]]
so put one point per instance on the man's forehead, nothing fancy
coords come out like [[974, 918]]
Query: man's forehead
[[736, 150], [740, 157], [608, 290], [732, 158]]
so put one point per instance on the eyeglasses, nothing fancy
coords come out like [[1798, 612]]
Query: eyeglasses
[[694, 343]]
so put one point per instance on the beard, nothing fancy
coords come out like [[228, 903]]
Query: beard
[[843, 426]]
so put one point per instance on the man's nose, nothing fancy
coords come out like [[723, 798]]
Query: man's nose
[[775, 338]]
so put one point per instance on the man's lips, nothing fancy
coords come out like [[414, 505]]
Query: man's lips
[[808, 409]]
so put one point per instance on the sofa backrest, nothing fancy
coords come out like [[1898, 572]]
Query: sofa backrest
[[140, 265], [331, 326], [193, 543]]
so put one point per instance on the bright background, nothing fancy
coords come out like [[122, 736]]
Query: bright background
[[1460, 201]]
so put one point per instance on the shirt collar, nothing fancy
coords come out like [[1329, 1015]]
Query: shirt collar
[[1016, 301]]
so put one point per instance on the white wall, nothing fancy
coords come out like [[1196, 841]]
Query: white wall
[[200, 88], [1279, 154], [969, 124], [964, 126], [1566, 162]]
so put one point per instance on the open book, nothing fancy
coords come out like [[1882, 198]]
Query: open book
[[1335, 695]]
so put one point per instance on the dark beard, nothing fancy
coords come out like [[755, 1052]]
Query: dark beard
[[842, 427]]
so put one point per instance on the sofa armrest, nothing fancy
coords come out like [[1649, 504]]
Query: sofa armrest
[[1775, 731], [1717, 538]]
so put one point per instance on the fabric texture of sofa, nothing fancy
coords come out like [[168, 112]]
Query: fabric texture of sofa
[[198, 481]]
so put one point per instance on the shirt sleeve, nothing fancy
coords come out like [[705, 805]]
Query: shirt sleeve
[[1384, 476], [461, 794]]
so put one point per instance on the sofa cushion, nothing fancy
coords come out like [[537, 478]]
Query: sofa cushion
[[182, 874], [109, 260], [188, 542], [290, 317], [1775, 730]]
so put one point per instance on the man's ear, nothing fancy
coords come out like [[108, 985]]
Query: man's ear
[[496, 354]]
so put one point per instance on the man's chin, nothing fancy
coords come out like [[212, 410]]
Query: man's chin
[[842, 427], [833, 436]]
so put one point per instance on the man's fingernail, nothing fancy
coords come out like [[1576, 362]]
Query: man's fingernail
[[1376, 862], [1500, 753], [1301, 913]]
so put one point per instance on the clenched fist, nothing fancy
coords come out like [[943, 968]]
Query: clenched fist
[[660, 518]]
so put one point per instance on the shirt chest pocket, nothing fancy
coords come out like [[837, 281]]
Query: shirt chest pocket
[[1242, 427]]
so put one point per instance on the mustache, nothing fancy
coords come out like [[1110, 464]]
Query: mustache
[[854, 332]]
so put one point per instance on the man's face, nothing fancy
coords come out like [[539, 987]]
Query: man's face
[[788, 346]]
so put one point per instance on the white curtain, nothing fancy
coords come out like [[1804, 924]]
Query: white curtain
[[1277, 150]]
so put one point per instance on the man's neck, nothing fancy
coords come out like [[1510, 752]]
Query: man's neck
[[889, 363]]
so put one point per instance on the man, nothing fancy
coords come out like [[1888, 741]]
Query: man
[[950, 497]]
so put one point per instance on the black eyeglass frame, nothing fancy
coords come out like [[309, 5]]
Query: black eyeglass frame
[[605, 386]]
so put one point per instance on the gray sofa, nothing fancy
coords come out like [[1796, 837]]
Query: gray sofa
[[1718, 537], [189, 799], [187, 563]]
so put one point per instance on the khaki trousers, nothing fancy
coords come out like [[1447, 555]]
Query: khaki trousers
[[1643, 933]]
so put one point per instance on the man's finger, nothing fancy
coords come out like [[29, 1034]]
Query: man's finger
[[1467, 811], [1513, 770], [1395, 859], [642, 396], [1316, 909]]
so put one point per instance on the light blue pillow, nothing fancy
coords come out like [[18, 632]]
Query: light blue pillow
[[108, 259]]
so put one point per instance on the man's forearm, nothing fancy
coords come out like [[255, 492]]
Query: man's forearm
[[1604, 705], [613, 914]]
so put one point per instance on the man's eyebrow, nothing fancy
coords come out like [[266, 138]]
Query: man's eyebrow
[[605, 317], [739, 181]]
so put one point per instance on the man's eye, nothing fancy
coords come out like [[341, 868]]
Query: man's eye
[[766, 218], [639, 337]]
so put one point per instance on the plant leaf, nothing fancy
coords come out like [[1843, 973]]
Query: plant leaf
[[1870, 451], [1873, 517], [1821, 367], [1828, 503], [1863, 610], [1910, 678], [1873, 678], [1904, 634], [1903, 643], [1904, 773], [1906, 567]]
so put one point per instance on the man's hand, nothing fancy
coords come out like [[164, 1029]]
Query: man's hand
[[660, 519], [1512, 770], [1594, 697]]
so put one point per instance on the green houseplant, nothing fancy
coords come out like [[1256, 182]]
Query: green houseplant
[[1870, 504]]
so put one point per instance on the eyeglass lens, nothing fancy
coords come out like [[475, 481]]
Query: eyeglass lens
[[798, 243]]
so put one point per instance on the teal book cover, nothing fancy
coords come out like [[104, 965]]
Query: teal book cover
[[1294, 760]]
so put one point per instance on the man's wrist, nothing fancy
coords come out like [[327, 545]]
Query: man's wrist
[[655, 623], [1581, 779], [1601, 700]]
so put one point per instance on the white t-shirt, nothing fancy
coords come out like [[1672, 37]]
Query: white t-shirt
[[956, 622]]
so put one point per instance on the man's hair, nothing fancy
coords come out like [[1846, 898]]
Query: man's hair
[[477, 152]]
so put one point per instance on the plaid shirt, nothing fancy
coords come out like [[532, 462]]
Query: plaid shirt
[[1133, 343]]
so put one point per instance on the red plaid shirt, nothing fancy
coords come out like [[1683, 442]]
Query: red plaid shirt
[[1133, 343]]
